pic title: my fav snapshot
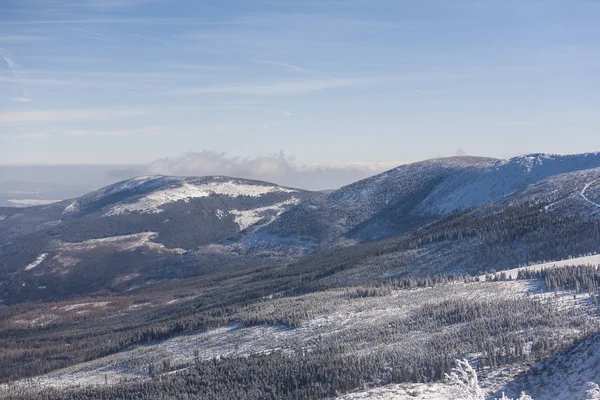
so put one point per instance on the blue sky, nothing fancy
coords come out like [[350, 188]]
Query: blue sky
[[130, 81]]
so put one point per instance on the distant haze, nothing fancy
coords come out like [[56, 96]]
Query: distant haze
[[32, 185]]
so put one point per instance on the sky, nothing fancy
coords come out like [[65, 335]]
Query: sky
[[330, 83]]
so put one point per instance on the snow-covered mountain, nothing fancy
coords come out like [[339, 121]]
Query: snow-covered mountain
[[218, 203], [178, 227], [395, 201], [137, 224]]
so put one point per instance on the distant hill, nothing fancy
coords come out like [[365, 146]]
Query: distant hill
[[129, 228], [392, 203], [443, 215]]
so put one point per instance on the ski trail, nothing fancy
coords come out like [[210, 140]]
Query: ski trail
[[586, 198]]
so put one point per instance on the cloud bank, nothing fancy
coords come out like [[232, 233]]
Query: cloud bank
[[275, 168]]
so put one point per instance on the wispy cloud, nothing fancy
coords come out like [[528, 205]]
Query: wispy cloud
[[91, 21], [32, 135], [33, 81], [284, 88], [291, 67], [18, 80], [93, 34], [104, 4], [86, 133], [146, 131], [92, 133], [8, 60], [21, 38], [32, 117], [87, 4], [129, 21]]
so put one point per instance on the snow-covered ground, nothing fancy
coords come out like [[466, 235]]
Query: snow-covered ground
[[246, 218], [152, 203], [410, 391], [584, 196], [562, 377], [592, 260], [77, 306], [36, 262], [65, 254], [120, 243], [329, 314]]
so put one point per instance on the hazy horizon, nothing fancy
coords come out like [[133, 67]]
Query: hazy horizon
[[22, 185]]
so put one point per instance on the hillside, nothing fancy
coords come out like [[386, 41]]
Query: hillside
[[434, 212], [131, 231], [412, 195]]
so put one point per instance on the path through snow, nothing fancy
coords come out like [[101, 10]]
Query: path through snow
[[585, 197]]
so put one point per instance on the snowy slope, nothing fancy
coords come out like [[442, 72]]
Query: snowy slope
[[564, 376], [593, 260], [149, 194], [408, 196], [569, 193], [141, 226], [218, 206]]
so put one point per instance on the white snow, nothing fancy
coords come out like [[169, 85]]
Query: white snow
[[593, 260], [41, 321], [153, 202], [71, 208], [587, 186], [85, 305], [331, 313], [562, 377], [36, 262], [409, 391], [66, 261], [449, 184], [122, 243], [246, 218]]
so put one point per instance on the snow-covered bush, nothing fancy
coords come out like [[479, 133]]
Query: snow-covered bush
[[463, 379], [593, 392]]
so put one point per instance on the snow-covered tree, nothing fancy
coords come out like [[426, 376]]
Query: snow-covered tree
[[523, 396], [463, 379], [593, 393]]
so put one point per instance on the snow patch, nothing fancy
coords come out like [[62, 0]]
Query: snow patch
[[409, 391], [563, 376], [586, 198], [40, 321], [153, 202], [82, 305], [122, 243], [36, 262], [66, 261], [246, 218], [71, 208], [593, 260]]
